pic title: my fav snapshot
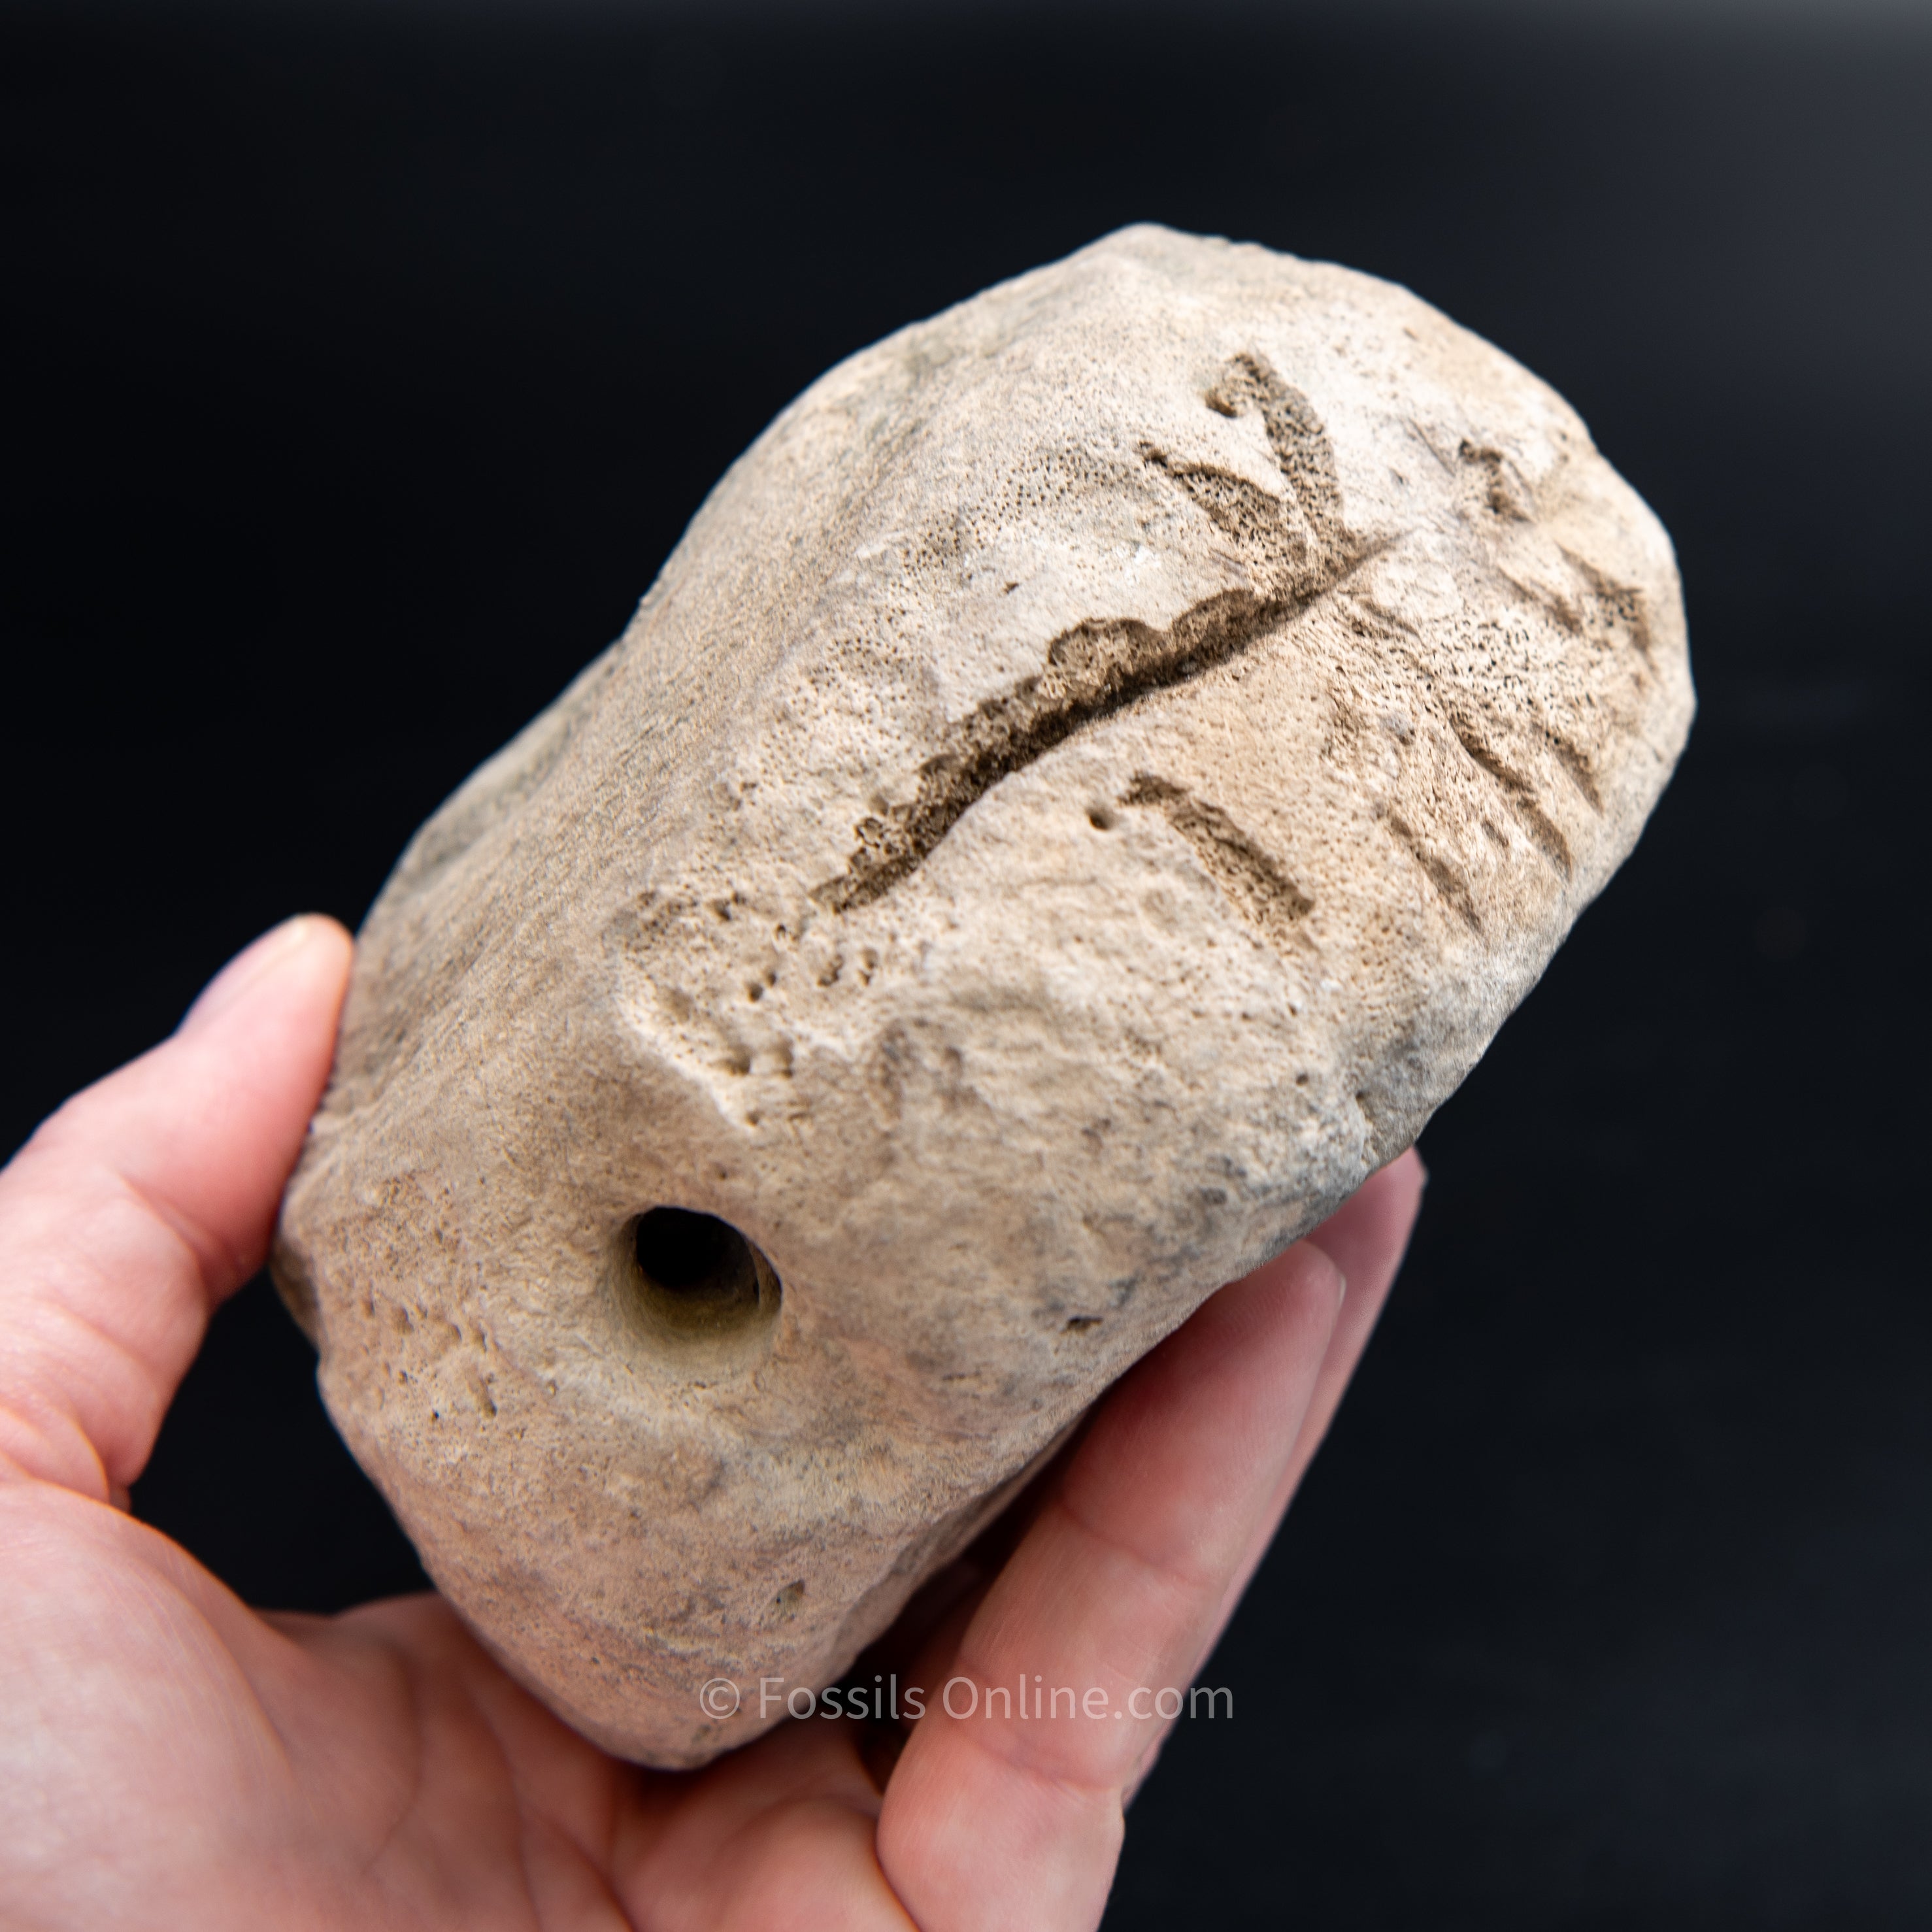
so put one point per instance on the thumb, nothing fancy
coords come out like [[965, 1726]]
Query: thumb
[[148, 1199]]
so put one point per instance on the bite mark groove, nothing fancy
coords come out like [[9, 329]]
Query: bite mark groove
[[1101, 665], [1543, 830], [1258, 889], [1450, 885]]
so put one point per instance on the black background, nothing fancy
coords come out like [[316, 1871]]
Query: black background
[[364, 365]]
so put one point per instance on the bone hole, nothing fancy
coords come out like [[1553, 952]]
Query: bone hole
[[698, 1275]]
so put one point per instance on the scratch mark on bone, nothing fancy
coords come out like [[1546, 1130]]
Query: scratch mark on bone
[[1101, 665], [1258, 888], [1543, 829], [1448, 879]]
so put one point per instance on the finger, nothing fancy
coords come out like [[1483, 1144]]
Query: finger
[[1010, 1814], [1365, 1238], [146, 1199]]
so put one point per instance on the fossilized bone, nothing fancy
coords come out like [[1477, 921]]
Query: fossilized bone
[[1091, 780]]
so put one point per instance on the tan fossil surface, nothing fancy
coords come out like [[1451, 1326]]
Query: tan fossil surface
[[1093, 778]]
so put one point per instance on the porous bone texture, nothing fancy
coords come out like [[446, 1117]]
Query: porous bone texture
[[1092, 778]]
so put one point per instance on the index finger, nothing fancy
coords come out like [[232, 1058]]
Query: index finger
[[1011, 1813]]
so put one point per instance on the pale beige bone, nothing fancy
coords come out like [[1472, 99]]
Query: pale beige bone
[[1093, 778]]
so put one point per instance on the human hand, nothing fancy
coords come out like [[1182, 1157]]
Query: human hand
[[170, 1758]]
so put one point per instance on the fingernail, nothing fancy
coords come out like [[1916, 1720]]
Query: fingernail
[[252, 963]]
